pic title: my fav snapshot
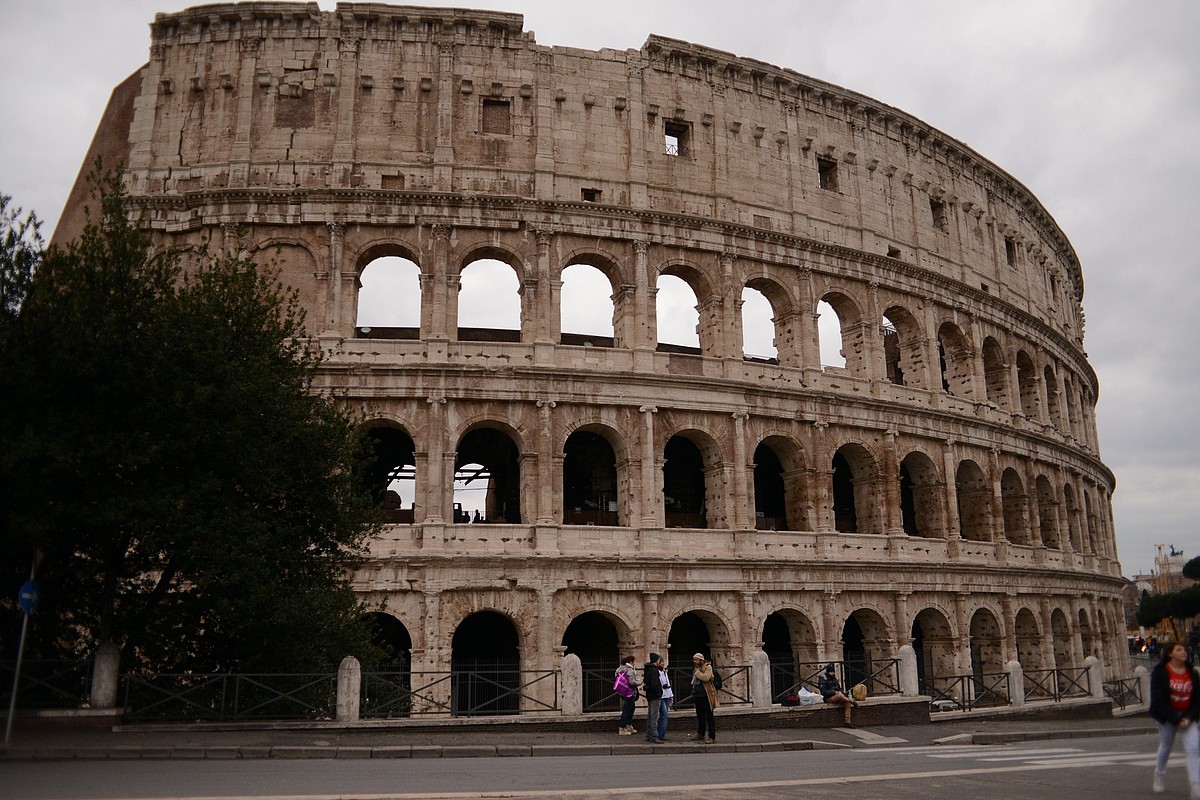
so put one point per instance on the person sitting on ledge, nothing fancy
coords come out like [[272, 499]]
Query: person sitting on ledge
[[831, 692]]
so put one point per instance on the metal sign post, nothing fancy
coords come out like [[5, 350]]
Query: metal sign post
[[28, 600]]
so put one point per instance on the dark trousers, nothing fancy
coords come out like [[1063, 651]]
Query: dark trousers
[[704, 717]]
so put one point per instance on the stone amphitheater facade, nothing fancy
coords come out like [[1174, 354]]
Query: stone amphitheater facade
[[942, 490]]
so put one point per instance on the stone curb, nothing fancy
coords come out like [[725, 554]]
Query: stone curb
[[1031, 736], [398, 751]]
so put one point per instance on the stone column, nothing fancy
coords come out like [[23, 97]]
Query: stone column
[[807, 336], [349, 689], [439, 300], [953, 524], [105, 676], [647, 326], [432, 482], [998, 534], [903, 624], [650, 632], [892, 522], [750, 640], [546, 513], [830, 648], [652, 507], [823, 477], [333, 318], [743, 510]]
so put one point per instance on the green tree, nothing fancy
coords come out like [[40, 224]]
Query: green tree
[[1191, 569], [200, 505], [20, 253]]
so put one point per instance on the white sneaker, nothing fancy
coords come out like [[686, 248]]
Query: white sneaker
[[624, 731], [1159, 783]]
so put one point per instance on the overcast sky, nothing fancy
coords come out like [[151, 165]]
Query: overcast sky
[[1093, 105]]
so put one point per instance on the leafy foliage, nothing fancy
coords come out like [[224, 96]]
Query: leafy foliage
[[1174, 607], [20, 254], [199, 504], [1191, 569]]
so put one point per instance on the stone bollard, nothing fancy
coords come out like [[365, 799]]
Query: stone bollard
[[571, 700], [760, 679], [910, 686], [1143, 677], [1095, 671], [349, 689], [1016, 683], [104, 676]]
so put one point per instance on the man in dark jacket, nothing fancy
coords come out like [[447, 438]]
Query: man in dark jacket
[[652, 688]]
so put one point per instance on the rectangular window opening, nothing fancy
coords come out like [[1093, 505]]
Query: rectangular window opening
[[675, 138], [1010, 251], [590, 195], [496, 117], [938, 209], [827, 173]]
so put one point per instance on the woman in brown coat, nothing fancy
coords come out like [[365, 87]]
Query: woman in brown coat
[[705, 695]]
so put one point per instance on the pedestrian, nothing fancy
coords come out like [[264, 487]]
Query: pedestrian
[[705, 695], [1175, 707], [653, 689], [628, 701], [832, 692], [668, 700]]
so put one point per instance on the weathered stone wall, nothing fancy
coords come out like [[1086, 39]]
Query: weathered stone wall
[[444, 136]]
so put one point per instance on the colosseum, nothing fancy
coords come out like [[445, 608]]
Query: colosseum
[[932, 495]]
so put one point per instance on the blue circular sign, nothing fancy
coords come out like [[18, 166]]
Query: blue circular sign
[[28, 596]]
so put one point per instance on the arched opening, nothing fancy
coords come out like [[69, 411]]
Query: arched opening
[[758, 327], [1093, 526], [487, 478], [593, 638], [829, 333], [790, 642], [958, 367], [770, 501], [586, 314], [1052, 396], [854, 476], [678, 316], [387, 689], [842, 334], [1029, 640], [689, 634], [485, 666], [1016, 508], [1071, 407], [934, 646], [974, 502], [1027, 382], [903, 348], [1060, 634], [995, 373], [864, 644], [1074, 522], [1088, 643], [684, 492], [489, 302], [1048, 513], [920, 497], [987, 660], [589, 480], [392, 473], [389, 299]]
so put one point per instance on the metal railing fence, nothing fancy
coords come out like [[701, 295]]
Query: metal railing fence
[[47, 683], [1057, 684], [969, 692], [229, 696], [1124, 692]]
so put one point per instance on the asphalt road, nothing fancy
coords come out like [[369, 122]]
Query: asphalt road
[[1064, 770]]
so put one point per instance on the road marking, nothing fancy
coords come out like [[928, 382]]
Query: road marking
[[873, 739], [637, 791]]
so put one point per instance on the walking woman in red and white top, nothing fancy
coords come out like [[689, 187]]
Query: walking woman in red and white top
[[1175, 706]]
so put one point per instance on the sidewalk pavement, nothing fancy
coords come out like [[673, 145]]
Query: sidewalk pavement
[[37, 741]]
